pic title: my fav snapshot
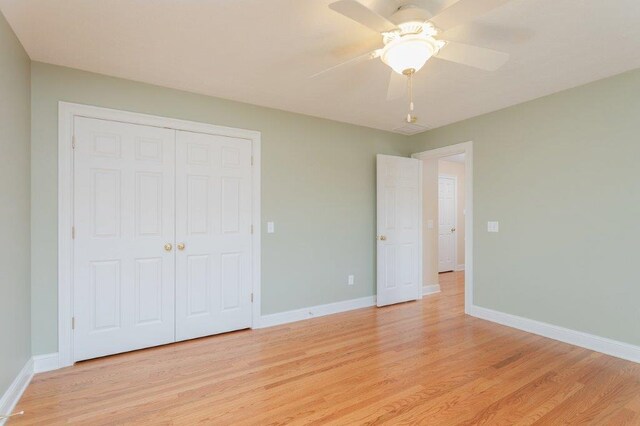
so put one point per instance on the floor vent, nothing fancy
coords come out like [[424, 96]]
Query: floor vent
[[410, 129]]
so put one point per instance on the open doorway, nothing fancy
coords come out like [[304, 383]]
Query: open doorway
[[450, 199], [447, 216]]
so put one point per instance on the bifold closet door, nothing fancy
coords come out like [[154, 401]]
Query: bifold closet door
[[213, 234], [124, 265]]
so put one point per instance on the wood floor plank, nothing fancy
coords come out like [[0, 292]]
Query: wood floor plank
[[415, 363]]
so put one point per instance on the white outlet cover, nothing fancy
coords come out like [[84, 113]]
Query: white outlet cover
[[493, 226], [271, 228], [350, 280]]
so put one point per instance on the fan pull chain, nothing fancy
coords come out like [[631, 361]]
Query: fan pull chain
[[410, 117]]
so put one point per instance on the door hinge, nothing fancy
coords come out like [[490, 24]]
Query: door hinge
[[252, 160], [251, 297], [252, 229], [73, 323], [73, 232], [73, 142]]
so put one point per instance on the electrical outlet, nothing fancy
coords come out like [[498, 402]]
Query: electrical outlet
[[351, 280]]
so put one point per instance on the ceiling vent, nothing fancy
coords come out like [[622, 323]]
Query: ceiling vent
[[410, 129]]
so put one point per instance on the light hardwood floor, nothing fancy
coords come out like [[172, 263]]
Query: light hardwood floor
[[415, 363]]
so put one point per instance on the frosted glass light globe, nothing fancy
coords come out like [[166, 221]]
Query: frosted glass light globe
[[409, 52]]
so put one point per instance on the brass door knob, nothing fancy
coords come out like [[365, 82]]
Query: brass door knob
[[453, 229], [382, 238], [181, 246], [168, 247]]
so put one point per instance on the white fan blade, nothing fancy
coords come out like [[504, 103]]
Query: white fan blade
[[363, 15], [473, 56], [397, 86], [357, 59], [463, 11]]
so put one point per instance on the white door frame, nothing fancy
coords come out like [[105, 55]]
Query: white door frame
[[455, 216], [465, 148], [66, 113]]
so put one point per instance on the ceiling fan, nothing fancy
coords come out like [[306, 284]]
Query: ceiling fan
[[411, 36]]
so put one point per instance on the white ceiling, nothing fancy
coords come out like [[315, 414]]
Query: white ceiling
[[262, 52]]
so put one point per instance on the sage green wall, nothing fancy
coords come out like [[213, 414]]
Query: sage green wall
[[15, 302], [560, 173], [562, 176], [318, 186]]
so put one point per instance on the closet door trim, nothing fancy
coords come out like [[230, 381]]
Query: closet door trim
[[66, 114]]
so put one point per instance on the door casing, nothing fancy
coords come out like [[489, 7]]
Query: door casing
[[66, 114], [467, 149]]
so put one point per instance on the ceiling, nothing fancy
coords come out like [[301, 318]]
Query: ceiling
[[263, 52]]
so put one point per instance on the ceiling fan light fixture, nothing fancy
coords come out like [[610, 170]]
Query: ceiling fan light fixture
[[409, 52]]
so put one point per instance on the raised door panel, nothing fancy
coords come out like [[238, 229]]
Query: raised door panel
[[389, 263], [105, 203], [148, 208], [230, 216], [148, 290], [105, 291], [123, 279], [213, 221], [198, 285], [231, 281]]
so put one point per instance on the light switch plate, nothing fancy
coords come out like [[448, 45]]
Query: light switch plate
[[493, 226], [271, 228], [350, 280]]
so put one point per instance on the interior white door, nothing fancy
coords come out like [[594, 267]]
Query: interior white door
[[123, 282], [446, 223], [399, 212], [213, 234]]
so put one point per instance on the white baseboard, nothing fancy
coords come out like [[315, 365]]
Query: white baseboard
[[577, 338], [430, 289], [16, 389], [46, 362], [315, 311], [460, 267]]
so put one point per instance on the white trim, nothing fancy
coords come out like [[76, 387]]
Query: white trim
[[66, 113], [577, 338], [256, 243], [460, 267], [420, 228], [13, 394], [430, 289], [46, 362], [467, 149], [316, 311]]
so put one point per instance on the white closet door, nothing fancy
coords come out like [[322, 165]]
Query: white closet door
[[213, 234], [123, 217]]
